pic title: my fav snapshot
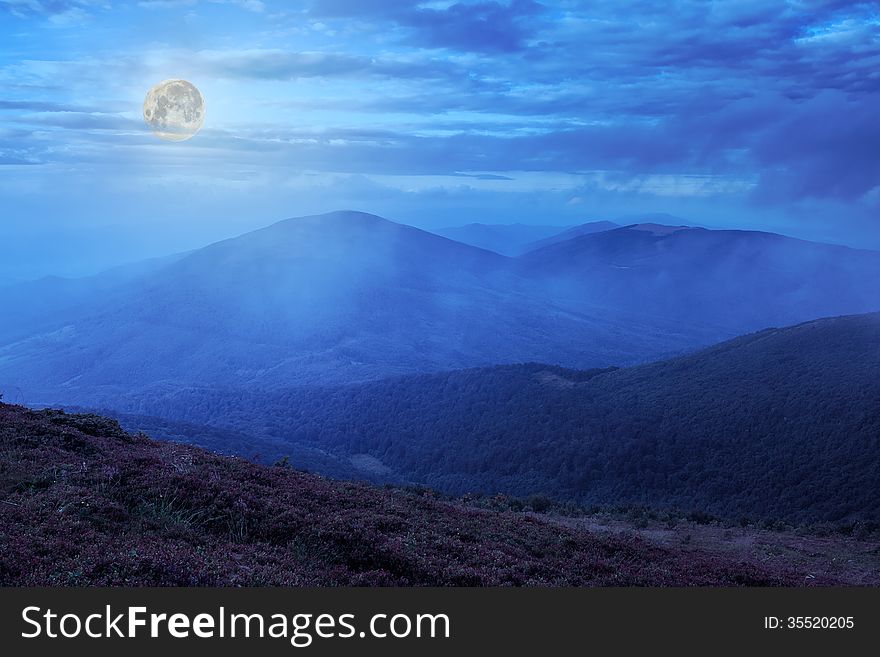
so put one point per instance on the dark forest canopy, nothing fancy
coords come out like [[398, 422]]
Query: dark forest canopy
[[783, 423]]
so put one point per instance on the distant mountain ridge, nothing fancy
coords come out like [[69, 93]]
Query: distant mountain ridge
[[349, 297], [516, 239], [506, 239], [37, 302], [739, 280], [576, 231], [332, 298]]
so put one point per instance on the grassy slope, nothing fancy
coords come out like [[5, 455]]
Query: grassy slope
[[84, 503]]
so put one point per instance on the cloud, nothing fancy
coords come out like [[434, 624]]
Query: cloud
[[490, 27], [36, 106], [825, 149], [167, 4], [484, 176], [58, 12], [13, 160], [256, 6], [262, 64], [485, 27], [83, 121]]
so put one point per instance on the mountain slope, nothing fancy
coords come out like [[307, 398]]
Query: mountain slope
[[784, 423], [736, 280], [86, 504], [332, 298], [584, 229], [506, 239], [350, 297], [33, 306]]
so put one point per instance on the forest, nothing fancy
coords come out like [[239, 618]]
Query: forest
[[784, 423]]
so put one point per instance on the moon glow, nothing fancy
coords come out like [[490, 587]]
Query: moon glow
[[174, 110]]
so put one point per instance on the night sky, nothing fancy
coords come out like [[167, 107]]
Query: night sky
[[760, 115]]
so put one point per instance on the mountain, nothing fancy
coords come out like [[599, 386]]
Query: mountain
[[584, 229], [332, 298], [507, 239], [349, 297], [591, 227], [783, 423], [84, 504], [737, 281], [35, 305]]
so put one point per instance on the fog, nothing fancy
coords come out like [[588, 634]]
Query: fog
[[349, 297]]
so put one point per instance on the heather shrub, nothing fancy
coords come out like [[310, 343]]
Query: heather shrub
[[84, 505], [539, 503]]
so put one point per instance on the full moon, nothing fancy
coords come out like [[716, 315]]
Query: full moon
[[174, 110]]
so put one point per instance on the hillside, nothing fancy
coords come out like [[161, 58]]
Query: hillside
[[506, 239], [740, 281], [34, 306], [84, 503], [583, 229], [350, 297], [784, 423], [327, 299]]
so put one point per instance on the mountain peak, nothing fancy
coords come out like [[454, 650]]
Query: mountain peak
[[337, 217], [657, 229]]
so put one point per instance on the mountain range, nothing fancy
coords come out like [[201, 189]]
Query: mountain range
[[734, 280], [349, 297], [570, 233], [783, 423], [506, 239]]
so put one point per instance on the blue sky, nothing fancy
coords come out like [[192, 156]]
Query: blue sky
[[729, 113]]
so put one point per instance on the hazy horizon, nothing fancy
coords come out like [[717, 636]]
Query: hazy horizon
[[730, 115], [97, 265]]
